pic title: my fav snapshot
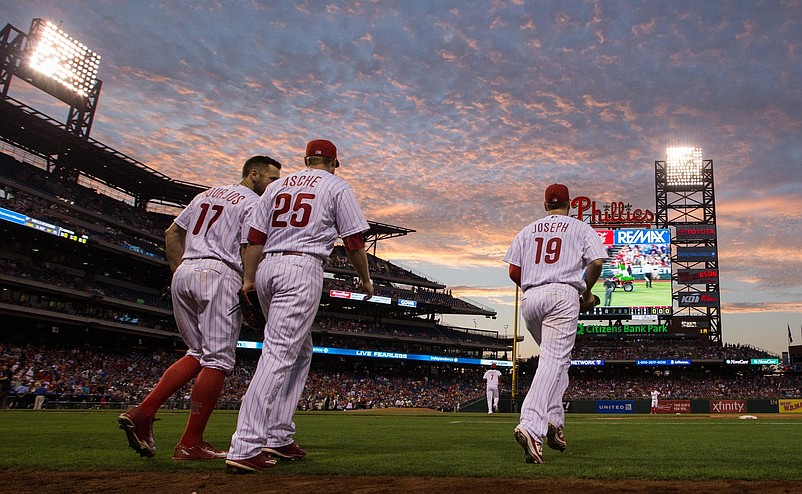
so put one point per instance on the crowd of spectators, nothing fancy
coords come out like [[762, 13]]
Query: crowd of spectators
[[105, 376], [674, 386], [663, 349], [378, 267], [81, 221], [78, 200], [434, 333], [119, 377]]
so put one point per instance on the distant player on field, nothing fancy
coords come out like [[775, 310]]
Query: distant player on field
[[203, 247], [491, 376], [655, 394]]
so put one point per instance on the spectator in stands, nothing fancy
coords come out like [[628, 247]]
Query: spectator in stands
[[5, 386], [21, 393]]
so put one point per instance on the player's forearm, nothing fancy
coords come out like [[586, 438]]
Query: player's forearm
[[515, 274], [359, 259], [251, 257], [174, 238], [593, 272]]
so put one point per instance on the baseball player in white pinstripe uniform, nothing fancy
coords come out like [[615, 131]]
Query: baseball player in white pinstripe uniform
[[555, 260], [491, 377], [203, 246], [292, 231]]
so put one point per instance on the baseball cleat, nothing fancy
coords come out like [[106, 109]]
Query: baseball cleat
[[555, 438], [533, 450], [218, 453], [200, 451], [139, 430], [255, 464], [289, 452]]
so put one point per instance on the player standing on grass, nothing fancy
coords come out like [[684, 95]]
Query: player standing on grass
[[203, 246], [655, 394], [491, 376], [292, 230], [552, 260]]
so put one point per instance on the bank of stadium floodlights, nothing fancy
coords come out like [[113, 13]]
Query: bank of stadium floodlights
[[685, 200], [51, 60]]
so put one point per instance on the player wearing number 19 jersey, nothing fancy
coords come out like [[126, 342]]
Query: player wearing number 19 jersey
[[203, 247], [292, 231], [555, 260]]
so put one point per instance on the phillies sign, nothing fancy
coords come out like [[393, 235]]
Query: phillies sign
[[613, 213]]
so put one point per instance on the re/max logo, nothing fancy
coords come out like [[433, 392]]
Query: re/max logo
[[642, 236]]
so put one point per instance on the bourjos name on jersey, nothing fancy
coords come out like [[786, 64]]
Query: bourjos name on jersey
[[231, 196]]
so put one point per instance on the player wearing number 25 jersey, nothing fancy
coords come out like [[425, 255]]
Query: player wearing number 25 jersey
[[203, 247], [555, 260], [292, 231]]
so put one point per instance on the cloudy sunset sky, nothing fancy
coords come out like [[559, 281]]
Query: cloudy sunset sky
[[451, 117]]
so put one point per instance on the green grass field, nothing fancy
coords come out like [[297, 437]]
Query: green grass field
[[659, 294], [661, 447]]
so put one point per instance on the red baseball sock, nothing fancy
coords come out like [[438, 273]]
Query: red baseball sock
[[173, 379], [204, 397]]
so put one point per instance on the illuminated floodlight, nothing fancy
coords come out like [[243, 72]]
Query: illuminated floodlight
[[684, 167], [63, 59]]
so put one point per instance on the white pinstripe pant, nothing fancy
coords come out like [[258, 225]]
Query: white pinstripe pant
[[289, 289], [551, 313], [203, 293]]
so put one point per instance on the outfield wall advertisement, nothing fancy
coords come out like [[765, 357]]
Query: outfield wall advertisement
[[615, 406], [727, 406], [674, 406], [790, 406]]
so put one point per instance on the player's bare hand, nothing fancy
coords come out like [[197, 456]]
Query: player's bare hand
[[248, 286], [367, 287], [587, 301]]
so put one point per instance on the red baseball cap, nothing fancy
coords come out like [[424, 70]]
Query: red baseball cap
[[322, 147], [556, 193]]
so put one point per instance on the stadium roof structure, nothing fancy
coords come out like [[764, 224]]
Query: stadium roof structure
[[382, 231], [39, 134]]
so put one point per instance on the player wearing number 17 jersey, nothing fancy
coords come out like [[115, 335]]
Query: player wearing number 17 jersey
[[555, 260], [203, 246], [292, 231]]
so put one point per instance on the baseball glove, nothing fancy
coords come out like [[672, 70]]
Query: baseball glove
[[586, 307], [251, 310]]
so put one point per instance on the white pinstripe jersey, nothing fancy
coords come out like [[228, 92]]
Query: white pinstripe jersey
[[213, 222], [306, 211], [491, 376], [555, 249]]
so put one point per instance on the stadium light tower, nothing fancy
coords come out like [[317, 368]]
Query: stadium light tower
[[51, 60], [685, 199], [684, 168], [63, 59]]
